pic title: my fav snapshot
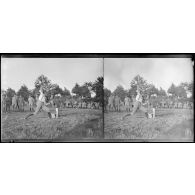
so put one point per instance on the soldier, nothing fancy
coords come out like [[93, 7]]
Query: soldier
[[127, 103], [8, 103], [31, 102], [56, 102], [15, 105], [3, 102], [21, 103], [111, 102], [117, 103]]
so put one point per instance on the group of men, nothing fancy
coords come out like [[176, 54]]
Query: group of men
[[16, 103]]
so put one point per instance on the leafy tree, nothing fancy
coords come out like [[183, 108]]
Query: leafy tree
[[10, 92], [107, 94], [84, 91], [43, 81], [76, 90], [181, 92], [24, 92], [172, 90], [66, 92], [162, 92], [188, 87], [120, 92], [138, 82], [99, 90], [152, 90], [55, 89]]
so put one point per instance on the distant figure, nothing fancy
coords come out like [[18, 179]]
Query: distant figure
[[15, 105], [31, 102], [56, 102], [21, 103], [41, 103], [127, 102], [8, 103], [117, 103], [3, 103], [111, 102]]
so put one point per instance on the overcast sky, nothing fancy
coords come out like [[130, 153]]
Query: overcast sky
[[162, 72], [63, 71]]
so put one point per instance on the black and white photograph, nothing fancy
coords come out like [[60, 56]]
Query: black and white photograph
[[51, 99], [149, 99]]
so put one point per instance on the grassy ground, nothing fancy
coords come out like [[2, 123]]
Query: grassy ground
[[72, 124], [169, 125]]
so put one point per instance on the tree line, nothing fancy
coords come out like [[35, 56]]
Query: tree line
[[81, 91], [148, 90]]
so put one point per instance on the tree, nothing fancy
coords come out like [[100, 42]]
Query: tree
[[66, 92], [181, 92], [43, 81], [55, 89], [172, 90], [107, 94], [162, 92], [151, 90], [76, 90], [120, 92], [99, 90], [138, 82], [10, 92], [84, 91], [24, 92], [188, 87]]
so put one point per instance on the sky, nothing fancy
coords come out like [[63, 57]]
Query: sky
[[161, 72], [63, 71]]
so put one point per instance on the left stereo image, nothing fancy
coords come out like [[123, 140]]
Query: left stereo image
[[51, 99]]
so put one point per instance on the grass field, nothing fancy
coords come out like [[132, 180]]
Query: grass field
[[169, 125], [72, 124]]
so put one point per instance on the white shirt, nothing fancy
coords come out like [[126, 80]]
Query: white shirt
[[41, 96], [138, 97]]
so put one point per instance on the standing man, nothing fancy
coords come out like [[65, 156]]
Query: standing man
[[15, 102], [21, 103], [127, 103], [56, 102], [31, 102], [41, 103]]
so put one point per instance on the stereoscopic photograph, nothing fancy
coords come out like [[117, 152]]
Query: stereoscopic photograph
[[97, 98], [149, 99], [51, 99]]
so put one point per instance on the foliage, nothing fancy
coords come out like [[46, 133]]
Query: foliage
[[24, 92], [120, 92], [98, 89], [139, 83], [10, 92], [45, 82]]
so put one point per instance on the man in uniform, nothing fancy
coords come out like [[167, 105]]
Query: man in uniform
[[31, 102]]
